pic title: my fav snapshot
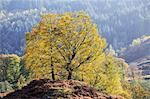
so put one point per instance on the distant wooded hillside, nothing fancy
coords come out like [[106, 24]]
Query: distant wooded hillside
[[119, 21]]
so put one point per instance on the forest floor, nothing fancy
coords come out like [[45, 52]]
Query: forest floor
[[62, 89]]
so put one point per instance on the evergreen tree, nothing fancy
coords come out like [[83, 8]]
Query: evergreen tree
[[5, 87], [10, 68], [21, 82]]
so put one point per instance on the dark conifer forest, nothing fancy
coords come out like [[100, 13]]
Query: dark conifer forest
[[118, 21]]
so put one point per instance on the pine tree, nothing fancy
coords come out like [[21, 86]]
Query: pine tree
[[10, 68], [21, 82], [5, 86]]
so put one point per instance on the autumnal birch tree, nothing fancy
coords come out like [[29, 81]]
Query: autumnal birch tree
[[67, 41]]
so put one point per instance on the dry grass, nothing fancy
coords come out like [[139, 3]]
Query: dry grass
[[63, 89], [3, 94]]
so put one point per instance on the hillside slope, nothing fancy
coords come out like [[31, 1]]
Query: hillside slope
[[119, 21], [66, 89], [135, 53], [139, 56]]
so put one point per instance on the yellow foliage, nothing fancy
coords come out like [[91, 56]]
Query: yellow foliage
[[69, 40], [104, 74], [69, 45]]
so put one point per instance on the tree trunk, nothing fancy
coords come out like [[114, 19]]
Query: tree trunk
[[52, 67], [53, 74], [69, 75]]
